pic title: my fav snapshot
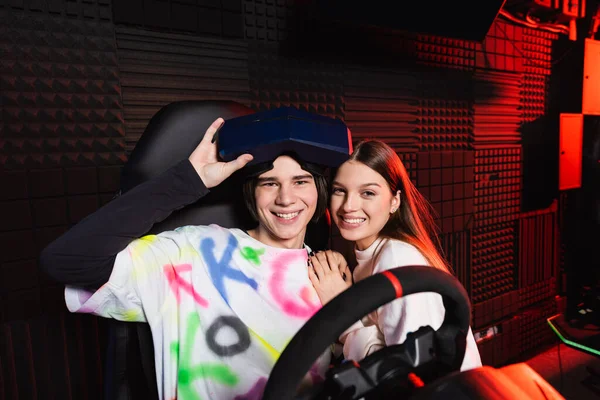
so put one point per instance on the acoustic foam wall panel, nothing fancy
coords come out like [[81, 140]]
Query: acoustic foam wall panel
[[499, 308], [538, 292], [277, 81], [494, 268], [383, 104], [97, 10], [445, 125], [446, 179], [512, 48], [159, 68], [267, 20], [61, 94], [445, 52], [63, 136], [537, 247], [534, 332], [497, 114], [497, 185], [410, 163], [539, 132], [537, 51], [445, 115], [534, 89], [501, 49], [52, 357], [538, 252], [456, 247], [221, 18]]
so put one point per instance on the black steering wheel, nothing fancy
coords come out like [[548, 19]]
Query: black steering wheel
[[362, 298]]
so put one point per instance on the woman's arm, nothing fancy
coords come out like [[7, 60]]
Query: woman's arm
[[84, 256], [399, 317], [408, 314]]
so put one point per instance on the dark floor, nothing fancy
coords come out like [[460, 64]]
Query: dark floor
[[567, 370]]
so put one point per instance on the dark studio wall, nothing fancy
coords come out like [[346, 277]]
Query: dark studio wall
[[80, 80]]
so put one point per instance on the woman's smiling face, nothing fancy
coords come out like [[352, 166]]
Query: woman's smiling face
[[361, 203]]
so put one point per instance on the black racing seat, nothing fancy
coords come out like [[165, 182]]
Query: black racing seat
[[171, 135]]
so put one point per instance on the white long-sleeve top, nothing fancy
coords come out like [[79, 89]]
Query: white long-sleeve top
[[391, 323]]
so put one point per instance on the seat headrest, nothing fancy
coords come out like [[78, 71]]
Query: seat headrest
[[171, 136]]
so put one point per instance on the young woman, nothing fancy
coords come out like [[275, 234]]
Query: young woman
[[221, 303], [375, 205]]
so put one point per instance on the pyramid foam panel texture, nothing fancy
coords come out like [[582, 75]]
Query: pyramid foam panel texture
[[309, 86], [537, 51], [446, 179], [534, 331], [444, 52], [497, 114], [534, 91], [382, 104], [445, 113], [410, 163], [538, 293], [267, 20], [61, 94], [494, 268], [497, 185]]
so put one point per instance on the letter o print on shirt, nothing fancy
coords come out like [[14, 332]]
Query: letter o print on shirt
[[232, 349]]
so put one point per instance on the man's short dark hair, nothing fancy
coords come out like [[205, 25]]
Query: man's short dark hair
[[322, 196]]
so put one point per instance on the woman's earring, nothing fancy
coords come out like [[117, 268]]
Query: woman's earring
[[398, 198]]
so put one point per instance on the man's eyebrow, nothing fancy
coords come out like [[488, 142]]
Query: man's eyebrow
[[274, 179], [267, 179], [300, 177]]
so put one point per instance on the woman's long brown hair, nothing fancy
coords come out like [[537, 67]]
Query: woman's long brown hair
[[412, 222]]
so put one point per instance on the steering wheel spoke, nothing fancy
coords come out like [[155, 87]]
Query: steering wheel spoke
[[391, 367], [353, 380]]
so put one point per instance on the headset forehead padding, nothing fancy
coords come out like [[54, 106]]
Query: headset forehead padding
[[267, 134]]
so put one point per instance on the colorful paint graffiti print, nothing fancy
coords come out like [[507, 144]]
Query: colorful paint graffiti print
[[221, 305]]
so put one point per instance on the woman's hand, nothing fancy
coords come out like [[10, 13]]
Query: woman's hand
[[329, 273], [205, 162]]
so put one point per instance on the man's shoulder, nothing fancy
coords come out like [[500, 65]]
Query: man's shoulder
[[187, 232]]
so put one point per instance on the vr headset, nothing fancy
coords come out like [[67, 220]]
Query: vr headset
[[315, 141]]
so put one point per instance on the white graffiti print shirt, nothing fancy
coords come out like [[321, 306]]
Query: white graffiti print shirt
[[221, 306]]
